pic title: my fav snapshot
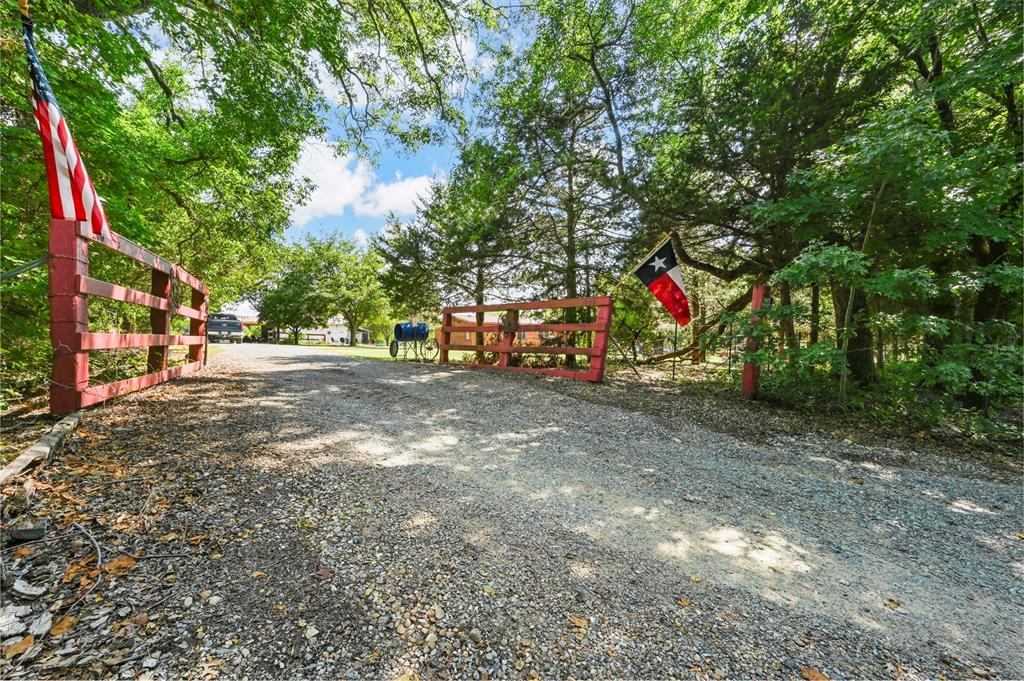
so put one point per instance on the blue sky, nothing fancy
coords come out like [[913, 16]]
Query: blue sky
[[354, 197]]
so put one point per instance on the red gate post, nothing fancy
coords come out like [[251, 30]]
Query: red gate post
[[197, 327], [508, 337], [159, 320], [69, 316], [446, 336], [752, 371], [604, 319]]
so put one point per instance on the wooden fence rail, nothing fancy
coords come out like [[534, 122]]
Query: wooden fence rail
[[70, 288], [596, 354]]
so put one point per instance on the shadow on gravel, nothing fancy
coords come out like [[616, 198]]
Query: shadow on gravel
[[621, 484], [322, 480]]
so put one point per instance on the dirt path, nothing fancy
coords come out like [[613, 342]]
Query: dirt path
[[366, 519]]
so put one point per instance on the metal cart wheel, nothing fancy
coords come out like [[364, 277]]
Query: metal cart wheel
[[393, 348], [429, 349]]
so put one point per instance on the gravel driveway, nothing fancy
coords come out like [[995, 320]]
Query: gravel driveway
[[391, 518]]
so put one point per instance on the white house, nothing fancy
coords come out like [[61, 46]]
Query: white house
[[335, 333]]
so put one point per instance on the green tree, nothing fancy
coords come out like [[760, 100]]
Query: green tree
[[353, 286], [191, 118], [293, 297], [463, 245]]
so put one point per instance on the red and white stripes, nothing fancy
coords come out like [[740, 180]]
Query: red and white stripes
[[72, 195]]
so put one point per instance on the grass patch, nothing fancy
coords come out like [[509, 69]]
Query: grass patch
[[379, 352]]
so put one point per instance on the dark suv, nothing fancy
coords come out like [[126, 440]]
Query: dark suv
[[224, 326]]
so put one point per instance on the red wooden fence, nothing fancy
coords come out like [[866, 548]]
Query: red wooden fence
[[596, 354], [70, 288]]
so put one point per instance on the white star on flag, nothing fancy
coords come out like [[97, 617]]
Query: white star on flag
[[666, 281]]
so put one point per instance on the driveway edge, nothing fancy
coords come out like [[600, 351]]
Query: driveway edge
[[44, 448]]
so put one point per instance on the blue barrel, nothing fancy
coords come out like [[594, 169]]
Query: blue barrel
[[407, 332]]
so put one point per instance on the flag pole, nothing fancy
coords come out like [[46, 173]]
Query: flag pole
[[675, 347], [626, 357]]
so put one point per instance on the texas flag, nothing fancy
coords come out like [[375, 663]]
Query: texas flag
[[660, 273]]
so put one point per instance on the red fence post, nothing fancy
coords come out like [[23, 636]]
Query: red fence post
[[597, 362], [752, 371], [508, 338], [197, 327], [446, 336], [159, 320], [69, 316]]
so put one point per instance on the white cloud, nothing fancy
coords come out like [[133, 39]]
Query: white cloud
[[345, 182], [361, 238], [340, 182], [398, 197]]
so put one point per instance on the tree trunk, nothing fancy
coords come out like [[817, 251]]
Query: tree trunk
[[571, 286], [880, 349], [992, 302], [786, 323], [353, 329], [697, 312], [478, 299], [859, 358], [815, 313]]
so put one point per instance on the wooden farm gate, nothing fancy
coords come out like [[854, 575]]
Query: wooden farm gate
[[70, 288], [597, 353]]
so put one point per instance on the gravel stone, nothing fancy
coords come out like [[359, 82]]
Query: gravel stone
[[443, 522]]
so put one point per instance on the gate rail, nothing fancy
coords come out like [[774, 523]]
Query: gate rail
[[506, 348], [70, 288]]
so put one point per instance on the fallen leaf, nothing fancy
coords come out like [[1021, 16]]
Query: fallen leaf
[[1020, 535], [893, 603], [259, 573], [71, 498], [23, 551], [695, 579], [813, 674], [120, 565], [120, 627], [199, 538], [62, 625], [578, 621], [323, 573], [19, 647], [75, 569], [683, 602], [209, 670], [170, 536], [858, 481]]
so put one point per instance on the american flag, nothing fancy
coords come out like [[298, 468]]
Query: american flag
[[72, 196]]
